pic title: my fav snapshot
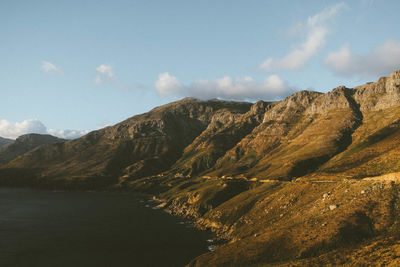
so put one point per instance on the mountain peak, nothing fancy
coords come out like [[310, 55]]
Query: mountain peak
[[25, 143], [395, 75], [37, 137]]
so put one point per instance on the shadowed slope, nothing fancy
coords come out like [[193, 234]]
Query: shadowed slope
[[5, 141], [225, 130], [24, 143], [142, 145]]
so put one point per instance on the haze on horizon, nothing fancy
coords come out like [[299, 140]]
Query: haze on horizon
[[70, 67]]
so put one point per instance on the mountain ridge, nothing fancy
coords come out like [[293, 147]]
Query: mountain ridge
[[4, 141], [25, 143], [216, 137], [282, 182]]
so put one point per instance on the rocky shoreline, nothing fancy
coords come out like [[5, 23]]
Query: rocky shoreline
[[304, 218], [332, 215]]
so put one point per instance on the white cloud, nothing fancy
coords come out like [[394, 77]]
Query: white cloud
[[315, 31], [339, 60], [13, 130], [168, 85], [226, 88], [104, 73], [67, 134], [381, 60], [49, 67]]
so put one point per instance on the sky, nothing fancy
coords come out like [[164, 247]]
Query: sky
[[70, 67]]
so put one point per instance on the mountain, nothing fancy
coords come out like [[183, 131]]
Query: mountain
[[139, 146], [23, 144], [336, 133], [309, 180], [4, 141]]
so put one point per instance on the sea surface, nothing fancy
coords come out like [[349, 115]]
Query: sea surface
[[57, 228]]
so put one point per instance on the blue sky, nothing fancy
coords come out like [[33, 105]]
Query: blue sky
[[68, 67]]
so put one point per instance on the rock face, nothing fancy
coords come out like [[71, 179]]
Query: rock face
[[384, 93], [25, 143], [295, 137], [4, 141], [374, 149], [224, 131]]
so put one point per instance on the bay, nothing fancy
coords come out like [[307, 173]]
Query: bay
[[56, 228]]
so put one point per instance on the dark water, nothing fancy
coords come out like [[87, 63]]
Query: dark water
[[45, 228]]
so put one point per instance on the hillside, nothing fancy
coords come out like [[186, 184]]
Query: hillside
[[25, 143], [4, 141], [282, 182]]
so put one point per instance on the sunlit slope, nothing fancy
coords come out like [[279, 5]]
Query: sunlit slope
[[347, 132], [375, 147]]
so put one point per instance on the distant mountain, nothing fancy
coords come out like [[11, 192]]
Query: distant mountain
[[25, 143], [4, 141], [309, 180]]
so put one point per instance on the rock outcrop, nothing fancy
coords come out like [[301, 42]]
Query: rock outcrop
[[223, 132]]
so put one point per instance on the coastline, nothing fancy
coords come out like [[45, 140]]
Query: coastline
[[275, 222]]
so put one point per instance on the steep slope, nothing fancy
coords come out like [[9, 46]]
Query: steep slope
[[25, 143], [375, 149], [296, 136], [277, 222], [142, 145], [224, 131], [4, 141]]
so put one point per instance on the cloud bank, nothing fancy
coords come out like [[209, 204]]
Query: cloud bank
[[226, 87], [314, 31], [13, 130], [50, 68], [67, 134], [381, 60]]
